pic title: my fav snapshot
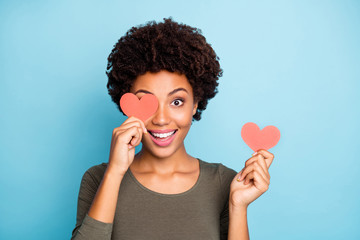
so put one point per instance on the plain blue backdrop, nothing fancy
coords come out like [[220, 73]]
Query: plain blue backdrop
[[292, 64]]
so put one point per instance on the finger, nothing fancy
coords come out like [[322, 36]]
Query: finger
[[258, 180], [249, 177], [263, 165], [260, 170], [134, 119], [125, 126], [262, 162], [142, 125], [137, 138], [239, 175], [251, 160], [269, 157], [255, 166], [127, 136], [246, 170]]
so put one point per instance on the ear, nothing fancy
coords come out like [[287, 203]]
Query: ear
[[195, 108]]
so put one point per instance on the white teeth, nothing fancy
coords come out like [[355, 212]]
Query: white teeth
[[163, 135]]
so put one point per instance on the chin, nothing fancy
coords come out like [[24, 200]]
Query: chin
[[158, 151]]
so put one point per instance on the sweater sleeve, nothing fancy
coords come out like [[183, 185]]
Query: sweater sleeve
[[226, 176], [87, 227]]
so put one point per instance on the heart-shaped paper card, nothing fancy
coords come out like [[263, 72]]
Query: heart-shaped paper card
[[142, 109], [258, 139]]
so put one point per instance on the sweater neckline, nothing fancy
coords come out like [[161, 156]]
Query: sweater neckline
[[170, 194]]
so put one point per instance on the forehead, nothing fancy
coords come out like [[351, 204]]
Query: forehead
[[161, 82]]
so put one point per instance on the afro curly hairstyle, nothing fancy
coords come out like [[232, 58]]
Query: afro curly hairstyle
[[167, 46]]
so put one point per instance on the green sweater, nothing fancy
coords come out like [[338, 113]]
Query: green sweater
[[199, 213]]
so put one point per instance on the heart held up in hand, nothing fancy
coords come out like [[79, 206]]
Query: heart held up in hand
[[258, 139], [142, 109]]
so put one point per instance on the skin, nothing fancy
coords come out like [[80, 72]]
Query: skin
[[249, 184], [170, 169]]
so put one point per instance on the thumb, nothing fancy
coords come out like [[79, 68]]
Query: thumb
[[237, 177]]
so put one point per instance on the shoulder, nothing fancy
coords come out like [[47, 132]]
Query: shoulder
[[94, 174], [97, 169], [224, 173], [219, 167]]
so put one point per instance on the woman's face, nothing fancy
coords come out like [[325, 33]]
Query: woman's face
[[169, 125]]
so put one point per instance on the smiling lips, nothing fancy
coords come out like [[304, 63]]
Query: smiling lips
[[162, 138]]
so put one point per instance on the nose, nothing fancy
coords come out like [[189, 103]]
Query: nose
[[161, 117]]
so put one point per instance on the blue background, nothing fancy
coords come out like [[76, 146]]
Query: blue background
[[292, 64]]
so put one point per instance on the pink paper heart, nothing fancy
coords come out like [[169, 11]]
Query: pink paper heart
[[258, 139], [142, 109]]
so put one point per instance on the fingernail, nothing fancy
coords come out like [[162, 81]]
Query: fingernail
[[254, 153], [145, 130]]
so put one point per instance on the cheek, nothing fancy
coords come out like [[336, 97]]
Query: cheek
[[183, 118]]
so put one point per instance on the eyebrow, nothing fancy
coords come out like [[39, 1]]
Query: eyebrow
[[170, 93], [142, 91]]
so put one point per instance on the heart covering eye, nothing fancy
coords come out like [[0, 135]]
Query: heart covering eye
[[142, 108], [258, 139]]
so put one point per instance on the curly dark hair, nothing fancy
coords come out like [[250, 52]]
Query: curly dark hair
[[167, 46]]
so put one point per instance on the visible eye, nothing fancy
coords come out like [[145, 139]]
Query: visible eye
[[177, 102]]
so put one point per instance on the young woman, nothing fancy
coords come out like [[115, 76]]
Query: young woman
[[162, 192]]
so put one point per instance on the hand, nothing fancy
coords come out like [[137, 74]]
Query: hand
[[252, 181], [123, 142]]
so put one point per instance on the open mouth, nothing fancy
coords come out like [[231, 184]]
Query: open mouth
[[162, 135], [162, 138]]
